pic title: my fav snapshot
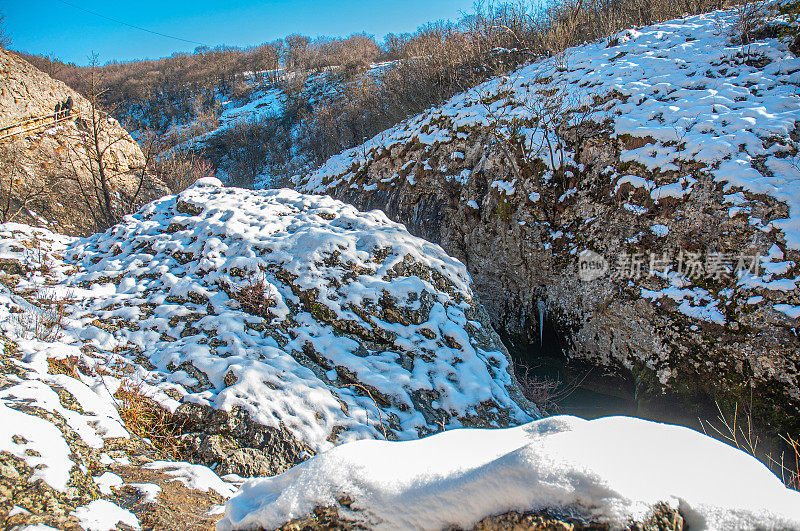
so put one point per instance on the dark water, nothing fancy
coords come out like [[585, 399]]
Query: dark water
[[581, 391], [591, 392]]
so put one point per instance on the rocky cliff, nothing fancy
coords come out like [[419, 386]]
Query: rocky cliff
[[48, 171], [636, 194]]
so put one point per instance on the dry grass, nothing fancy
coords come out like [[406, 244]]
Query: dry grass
[[788, 466], [144, 417], [735, 430], [45, 321], [377, 407], [71, 366], [738, 430]]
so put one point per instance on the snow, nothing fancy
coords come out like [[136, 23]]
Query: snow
[[49, 452], [186, 265], [694, 302], [659, 230], [106, 481], [611, 470], [102, 515], [789, 310], [505, 187], [683, 86], [197, 477]]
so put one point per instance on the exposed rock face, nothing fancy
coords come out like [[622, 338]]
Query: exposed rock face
[[470, 177], [666, 519], [54, 159], [234, 443], [27, 92]]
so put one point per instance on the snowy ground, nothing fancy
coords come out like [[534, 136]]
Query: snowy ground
[[48, 417], [397, 346], [613, 470]]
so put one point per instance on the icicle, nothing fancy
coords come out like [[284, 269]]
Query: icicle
[[542, 310]]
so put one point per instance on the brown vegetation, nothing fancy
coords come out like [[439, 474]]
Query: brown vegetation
[[428, 66], [329, 105], [737, 429], [144, 417]]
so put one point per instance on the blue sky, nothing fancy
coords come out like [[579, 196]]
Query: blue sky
[[53, 27]]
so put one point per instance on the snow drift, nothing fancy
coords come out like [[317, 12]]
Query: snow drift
[[613, 470]]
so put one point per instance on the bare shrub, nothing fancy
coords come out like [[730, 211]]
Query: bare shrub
[[179, 168], [98, 175], [44, 321], [738, 430], [546, 393], [18, 191], [750, 16], [250, 149], [253, 299], [539, 143]]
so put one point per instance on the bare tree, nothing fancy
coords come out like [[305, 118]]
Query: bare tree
[[5, 38], [97, 172], [16, 192]]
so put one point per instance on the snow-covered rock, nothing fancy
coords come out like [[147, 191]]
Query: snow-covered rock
[[307, 314], [614, 471]]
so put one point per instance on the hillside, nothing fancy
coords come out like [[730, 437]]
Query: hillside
[[50, 171], [269, 325], [614, 224], [664, 156], [151, 371]]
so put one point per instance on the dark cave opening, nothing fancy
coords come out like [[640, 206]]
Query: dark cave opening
[[592, 390], [578, 388]]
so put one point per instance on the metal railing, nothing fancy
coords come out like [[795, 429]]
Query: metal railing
[[33, 125]]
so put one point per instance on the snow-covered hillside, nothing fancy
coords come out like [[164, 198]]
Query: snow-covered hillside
[[278, 101], [308, 322], [669, 151], [684, 87], [362, 330]]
